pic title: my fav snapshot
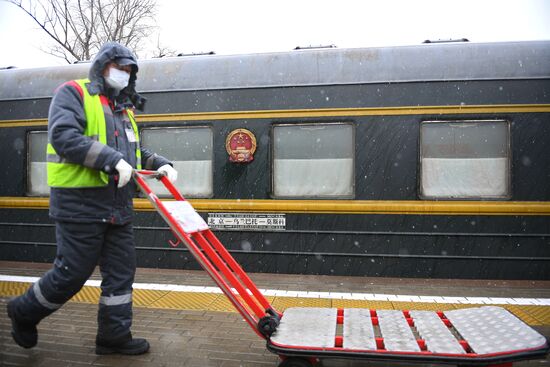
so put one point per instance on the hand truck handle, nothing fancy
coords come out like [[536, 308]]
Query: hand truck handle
[[142, 175], [148, 174]]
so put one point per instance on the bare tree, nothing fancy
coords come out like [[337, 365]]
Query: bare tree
[[161, 50], [80, 27]]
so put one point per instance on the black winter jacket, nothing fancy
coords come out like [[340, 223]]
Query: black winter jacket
[[66, 123]]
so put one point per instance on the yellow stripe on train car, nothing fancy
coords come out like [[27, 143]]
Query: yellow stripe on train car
[[392, 207], [321, 112]]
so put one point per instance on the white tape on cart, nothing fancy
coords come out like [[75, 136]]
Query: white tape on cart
[[186, 216]]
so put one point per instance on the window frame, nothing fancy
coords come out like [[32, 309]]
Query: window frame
[[209, 127], [507, 196], [29, 133], [313, 124]]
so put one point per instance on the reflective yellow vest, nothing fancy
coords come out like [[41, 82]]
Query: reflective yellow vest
[[73, 175]]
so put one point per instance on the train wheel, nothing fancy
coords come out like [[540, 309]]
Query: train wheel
[[295, 362]]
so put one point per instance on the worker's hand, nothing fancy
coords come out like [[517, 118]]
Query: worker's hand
[[124, 172], [170, 172]]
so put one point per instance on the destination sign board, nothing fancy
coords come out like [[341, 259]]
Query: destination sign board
[[243, 221]]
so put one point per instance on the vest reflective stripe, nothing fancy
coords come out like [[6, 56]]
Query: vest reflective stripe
[[71, 175], [136, 134]]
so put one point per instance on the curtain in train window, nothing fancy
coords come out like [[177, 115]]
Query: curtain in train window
[[314, 160], [190, 150], [467, 159], [37, 178]]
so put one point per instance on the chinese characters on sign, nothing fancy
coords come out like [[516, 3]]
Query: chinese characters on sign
[[242, 221]]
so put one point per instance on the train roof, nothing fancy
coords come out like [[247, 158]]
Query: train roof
[[333, 66]]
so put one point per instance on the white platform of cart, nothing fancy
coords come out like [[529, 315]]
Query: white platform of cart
[[486, 329]]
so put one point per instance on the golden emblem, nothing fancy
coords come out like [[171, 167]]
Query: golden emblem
[[240, 145]]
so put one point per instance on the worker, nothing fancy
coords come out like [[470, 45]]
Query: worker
[[93, 147]]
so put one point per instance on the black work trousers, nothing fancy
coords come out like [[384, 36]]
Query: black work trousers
[[80, 247]]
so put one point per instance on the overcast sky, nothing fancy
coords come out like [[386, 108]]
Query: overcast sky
[[250, 26]]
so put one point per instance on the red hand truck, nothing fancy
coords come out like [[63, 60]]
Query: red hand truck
[[479, 336]]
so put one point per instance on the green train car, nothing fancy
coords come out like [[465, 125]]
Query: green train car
[[415, 161]]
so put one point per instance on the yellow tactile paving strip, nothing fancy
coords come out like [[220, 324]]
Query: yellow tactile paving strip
[[282, 303], [532, 315], [178, 300], [9, 289], [145, 298]]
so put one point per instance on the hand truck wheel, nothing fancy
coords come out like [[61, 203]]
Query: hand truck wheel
[[296, 362]]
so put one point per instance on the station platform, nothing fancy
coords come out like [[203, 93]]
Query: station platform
[[189, 322]]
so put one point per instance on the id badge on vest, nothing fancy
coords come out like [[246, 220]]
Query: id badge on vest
[[130, 135]]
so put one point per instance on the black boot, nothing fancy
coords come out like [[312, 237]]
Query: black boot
[[24, 333], [131, 347]]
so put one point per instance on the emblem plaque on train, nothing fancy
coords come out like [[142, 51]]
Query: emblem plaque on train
[[240, 145]]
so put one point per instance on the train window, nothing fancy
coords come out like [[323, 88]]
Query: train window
[[37, 178], [190, 150], [313, 160], [465, 159]]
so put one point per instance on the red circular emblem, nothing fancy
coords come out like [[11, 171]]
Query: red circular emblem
[[240, 145]]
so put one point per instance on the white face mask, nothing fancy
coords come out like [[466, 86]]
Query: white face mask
[[117, 79]]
